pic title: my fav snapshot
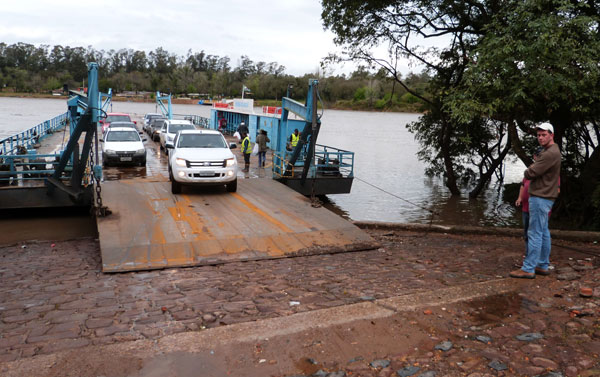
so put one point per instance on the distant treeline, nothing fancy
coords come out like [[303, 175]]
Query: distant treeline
[[26, 68]]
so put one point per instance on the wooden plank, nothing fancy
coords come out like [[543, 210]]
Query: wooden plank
[[151, 228]]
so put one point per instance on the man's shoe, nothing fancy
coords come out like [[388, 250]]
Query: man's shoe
[[520, 274], [541, 271]]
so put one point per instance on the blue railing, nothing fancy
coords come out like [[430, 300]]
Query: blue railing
[[195, 119], [30, 137], [330, 162], [29, 167]]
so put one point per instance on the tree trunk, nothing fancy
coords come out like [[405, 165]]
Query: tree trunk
[[485, 178], [445, 148], [513, 137]]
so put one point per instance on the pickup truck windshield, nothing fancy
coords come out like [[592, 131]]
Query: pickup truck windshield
[[201, 141]]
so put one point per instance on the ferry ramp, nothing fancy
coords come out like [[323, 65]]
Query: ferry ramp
[[150, 228]]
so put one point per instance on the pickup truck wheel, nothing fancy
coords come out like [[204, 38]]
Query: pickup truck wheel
[[232, 186], [175, 187]]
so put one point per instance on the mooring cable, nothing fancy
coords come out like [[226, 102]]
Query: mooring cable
[[433, 213], [396, 196]]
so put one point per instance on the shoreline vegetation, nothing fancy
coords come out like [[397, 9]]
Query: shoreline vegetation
[[349, 105]]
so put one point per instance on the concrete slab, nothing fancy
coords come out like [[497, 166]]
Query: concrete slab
[[151, 228]]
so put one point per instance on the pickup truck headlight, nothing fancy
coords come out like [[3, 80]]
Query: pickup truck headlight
[[109, 151], [181, 162], [230, 162], [140, 151]]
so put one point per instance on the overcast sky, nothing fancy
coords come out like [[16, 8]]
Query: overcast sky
[[288, 32]]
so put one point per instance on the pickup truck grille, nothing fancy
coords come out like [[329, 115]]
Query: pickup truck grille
[[207, 164]]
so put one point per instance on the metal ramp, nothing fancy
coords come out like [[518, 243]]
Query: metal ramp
[[150, 228]]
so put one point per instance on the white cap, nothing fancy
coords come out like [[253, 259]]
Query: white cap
[[546, 127]]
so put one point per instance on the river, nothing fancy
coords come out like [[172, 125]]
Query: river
[[390, 184]]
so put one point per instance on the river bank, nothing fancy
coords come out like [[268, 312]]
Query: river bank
[[413, 108], [424, 302]]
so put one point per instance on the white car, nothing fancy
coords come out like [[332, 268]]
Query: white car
[[123, 145], [201, 158], [171, 127]]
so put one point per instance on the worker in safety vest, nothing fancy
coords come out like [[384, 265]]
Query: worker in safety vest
[[246, 150], [294, 138]]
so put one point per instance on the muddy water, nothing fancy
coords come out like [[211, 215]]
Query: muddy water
[[390, 184], [51, 225]]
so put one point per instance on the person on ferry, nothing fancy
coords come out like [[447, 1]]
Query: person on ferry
[[246, 151], [294, 138], [242, 128]]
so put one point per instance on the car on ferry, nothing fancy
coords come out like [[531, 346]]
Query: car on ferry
[[123, 146], [155, 127], [121, 124], [114, 117], [170, 128], [148, 120], [201, 158]]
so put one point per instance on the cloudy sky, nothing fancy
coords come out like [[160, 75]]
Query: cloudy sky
[[288, 32]]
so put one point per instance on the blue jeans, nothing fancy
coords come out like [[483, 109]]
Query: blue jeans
[[538, 247], [525, 229], [262, 157]]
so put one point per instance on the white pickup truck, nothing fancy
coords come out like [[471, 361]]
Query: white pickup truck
[[201, 158]]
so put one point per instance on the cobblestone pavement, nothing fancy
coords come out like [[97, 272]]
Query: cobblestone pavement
[[54, 297]]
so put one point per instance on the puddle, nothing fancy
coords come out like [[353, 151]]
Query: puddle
[[497, 308], [115, 174], [306, 366], [53, 224]]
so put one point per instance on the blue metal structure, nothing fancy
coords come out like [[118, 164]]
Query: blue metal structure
[[86, 112], [311, 168], [69, 180], [168, 110], [106, 101], [30, 137]]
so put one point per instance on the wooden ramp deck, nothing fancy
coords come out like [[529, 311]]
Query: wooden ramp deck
[[150, 228]]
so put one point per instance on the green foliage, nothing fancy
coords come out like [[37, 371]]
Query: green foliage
[[51, 84], [27, 67], [409, 98], [360, 94]]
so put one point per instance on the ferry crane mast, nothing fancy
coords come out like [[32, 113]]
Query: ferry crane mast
[[168, 110], [310, 132], [86, 123]]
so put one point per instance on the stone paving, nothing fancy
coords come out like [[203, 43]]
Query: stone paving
[[54, 297]]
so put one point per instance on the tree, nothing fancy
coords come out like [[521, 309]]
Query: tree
[[501, 66], [539, 62], [360, 26]]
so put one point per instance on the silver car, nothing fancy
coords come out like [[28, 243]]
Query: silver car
[[170, 129]]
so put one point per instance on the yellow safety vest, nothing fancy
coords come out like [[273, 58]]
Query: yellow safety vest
[[246, 146], [295, 140]]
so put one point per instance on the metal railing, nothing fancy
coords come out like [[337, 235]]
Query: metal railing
[[330, 162], [28, 138], [197, 120], [29, 167]]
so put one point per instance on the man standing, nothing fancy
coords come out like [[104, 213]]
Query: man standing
[[544, 174]]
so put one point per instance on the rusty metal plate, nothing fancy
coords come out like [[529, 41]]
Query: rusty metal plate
[[151, 228]]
